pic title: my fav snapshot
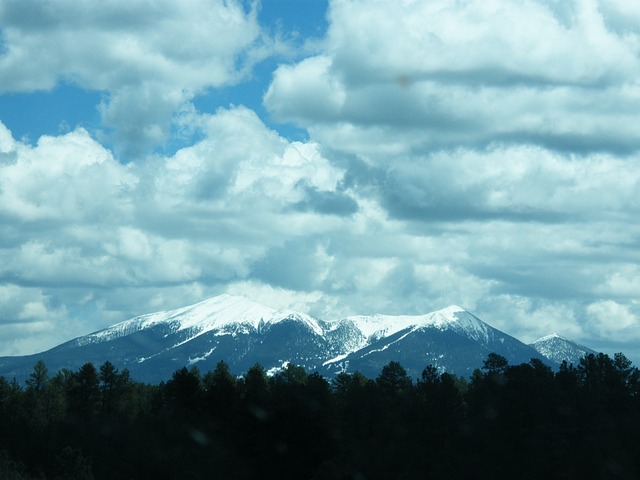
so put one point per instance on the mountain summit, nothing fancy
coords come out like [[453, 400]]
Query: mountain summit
[[558, 348], [242, 333], [223, 314]]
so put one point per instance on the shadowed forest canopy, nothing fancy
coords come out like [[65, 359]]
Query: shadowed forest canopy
[[520, 421]]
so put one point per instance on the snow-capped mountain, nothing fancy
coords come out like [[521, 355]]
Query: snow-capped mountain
[[557, 348], [223, 315], [450, 339], [242, 333]]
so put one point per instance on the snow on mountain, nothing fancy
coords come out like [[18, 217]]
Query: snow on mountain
[[307, 320], [455, 317], [224, 313], [450, 339], [227, 314], [460, 320], [558, 349], [242, 332], [376, 326]]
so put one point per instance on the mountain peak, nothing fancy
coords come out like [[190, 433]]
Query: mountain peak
[[452, 309], [558, 348], [449, 313], [551, 336], [459, 319], [214, 312]]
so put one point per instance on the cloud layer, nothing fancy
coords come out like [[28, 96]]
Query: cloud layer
[[481, 154]]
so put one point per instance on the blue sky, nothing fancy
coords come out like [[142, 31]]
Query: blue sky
[[336, 157]]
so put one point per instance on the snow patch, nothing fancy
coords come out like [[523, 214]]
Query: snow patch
[[387, 345], [336, 359], [275, 370], [192, 361]]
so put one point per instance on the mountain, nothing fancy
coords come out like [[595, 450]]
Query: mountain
[[153, 346], [451, 340], [242, 333], [557, 348]]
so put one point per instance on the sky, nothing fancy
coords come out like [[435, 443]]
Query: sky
[[341, 157]]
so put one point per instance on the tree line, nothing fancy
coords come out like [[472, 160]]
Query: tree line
[[505, 421]]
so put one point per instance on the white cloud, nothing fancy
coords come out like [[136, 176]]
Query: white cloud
[[503, 182], [148, 58], [413, 77], [533, 318], [65, 178], [497, 39], [310, 89], [7, 144], [608, 319], [621, 280], [78, 224], [29, 322]]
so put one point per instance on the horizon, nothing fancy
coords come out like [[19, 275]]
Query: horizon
[[341, 156]]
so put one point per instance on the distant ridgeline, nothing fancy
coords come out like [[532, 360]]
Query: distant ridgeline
[[524, 421], [242, 333]]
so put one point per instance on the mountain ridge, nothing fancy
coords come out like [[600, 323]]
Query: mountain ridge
[[243, 332]]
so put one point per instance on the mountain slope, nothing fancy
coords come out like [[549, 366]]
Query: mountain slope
[[451, 339], [152, 346], [557, 348], [242, 332]]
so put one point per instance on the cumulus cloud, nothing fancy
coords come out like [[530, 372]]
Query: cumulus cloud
[[512, 183], [148, 58], [500, 137], [479, 154], [75, 219], [608, 318], [65, 178], [533, 317], [29, 320], [414, 77]]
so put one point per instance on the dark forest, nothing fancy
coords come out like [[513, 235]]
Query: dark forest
[[506, 421]]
